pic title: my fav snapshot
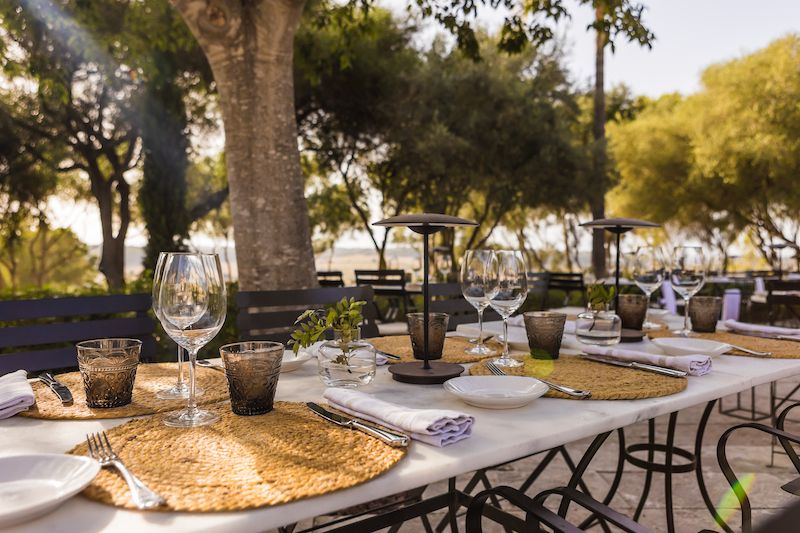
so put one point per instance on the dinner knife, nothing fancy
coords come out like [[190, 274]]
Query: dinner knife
[[765, 336], [397, 440], [390, 356], [640, 366], [61, 390]]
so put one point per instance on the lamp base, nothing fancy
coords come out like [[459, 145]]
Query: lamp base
[[416, 374]]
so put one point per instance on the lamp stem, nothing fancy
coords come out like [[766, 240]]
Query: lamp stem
[[425, 299], [616, 279]]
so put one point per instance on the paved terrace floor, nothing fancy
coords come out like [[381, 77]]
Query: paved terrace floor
[[749, 452]]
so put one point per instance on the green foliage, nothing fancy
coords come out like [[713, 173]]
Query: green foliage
[[343, 318], [600, 295]]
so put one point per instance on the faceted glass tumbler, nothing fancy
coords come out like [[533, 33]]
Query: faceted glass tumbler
[[704, 312], [437, 331], [544, 330], [108, 369], [633, 310], [252, 369]]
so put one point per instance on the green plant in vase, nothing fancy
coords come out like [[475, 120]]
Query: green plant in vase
[[345, 361], [600, 296]]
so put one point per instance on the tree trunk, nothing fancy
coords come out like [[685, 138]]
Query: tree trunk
[[597, 201], [249, 46], [112, 255]]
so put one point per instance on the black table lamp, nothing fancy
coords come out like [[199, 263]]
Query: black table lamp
[[618, 226], [427, 372]]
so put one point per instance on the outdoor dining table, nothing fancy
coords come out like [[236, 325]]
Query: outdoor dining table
[[499, 436]]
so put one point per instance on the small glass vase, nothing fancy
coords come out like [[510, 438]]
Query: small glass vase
[[598, 326], [346, 361]]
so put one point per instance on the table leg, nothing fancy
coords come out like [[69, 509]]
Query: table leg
[[673, 417], [454, 504], [701, 484]]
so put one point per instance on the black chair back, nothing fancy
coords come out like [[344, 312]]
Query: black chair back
[[330, 278], [40, 334], [447, 298], [270, 315], [541, 283], [383, 282], [783, 293]]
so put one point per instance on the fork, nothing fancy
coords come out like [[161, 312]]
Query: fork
[[100, 450], [569, 391]]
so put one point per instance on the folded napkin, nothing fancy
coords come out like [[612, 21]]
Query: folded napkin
[[16, 394], [763, 330], [438, 427], [519, 321], [694, 365]]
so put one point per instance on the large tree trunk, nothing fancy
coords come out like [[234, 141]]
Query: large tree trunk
[[249, 45], [112, 255], [597, 202]]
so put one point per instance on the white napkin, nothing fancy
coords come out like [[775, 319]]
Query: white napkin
[[16, 394], [519, 321], [761, 329], [438, 427], [694, 365]]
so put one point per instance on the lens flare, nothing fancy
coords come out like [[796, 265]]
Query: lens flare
[[729, 504]]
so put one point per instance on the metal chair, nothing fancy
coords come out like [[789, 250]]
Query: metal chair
[[782, 294], [39, 334], [330, 278], [567, 282], [388, 283], [536, 514], [270, 315], [447, 298], [786, 440]]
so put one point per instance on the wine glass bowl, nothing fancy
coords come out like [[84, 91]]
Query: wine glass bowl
[[648, 274], [508, 289]]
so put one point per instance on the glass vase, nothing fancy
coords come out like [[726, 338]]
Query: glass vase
[[598, 326], [346, 361]]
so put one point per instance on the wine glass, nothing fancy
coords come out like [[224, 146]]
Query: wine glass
[[476, 270], [444, 265], [688, 274], [648, 274], [193, 304], [180, 390], [508, 288]]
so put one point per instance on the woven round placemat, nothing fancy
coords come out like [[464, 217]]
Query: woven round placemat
[[606, 382], [454, 349], [780, 349], [150, 378], [241, 462]]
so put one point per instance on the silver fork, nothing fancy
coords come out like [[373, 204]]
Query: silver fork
[[569, 391], [100, 449]]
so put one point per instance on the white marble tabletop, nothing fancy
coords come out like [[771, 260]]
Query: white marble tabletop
[[499, 436]]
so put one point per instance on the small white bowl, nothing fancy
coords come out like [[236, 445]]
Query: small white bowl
[[496, 392], [34, 485], [292, 362], [684, 346]]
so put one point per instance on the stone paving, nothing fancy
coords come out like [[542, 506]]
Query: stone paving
[[749, 453]]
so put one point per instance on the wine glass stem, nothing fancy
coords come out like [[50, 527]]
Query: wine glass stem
[[685, 314], [505, 338], [192, 405], [480, 326], [180, 367], [649, 295]]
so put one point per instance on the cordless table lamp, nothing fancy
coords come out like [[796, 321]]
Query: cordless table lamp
[[428, 372]]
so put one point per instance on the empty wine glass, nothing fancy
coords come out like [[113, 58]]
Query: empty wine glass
[[687, 276], [193, 304], [508, 289], [648, 274], [444, 264], [477, 269], [181, 389]]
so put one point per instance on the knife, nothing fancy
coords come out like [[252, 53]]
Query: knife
[[396, 440], [640, 366], [765, 335], [390, 356], [56, 386]]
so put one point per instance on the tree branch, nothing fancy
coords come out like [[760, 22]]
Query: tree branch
[[208, 204]]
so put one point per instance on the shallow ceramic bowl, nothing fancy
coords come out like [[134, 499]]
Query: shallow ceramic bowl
[[683, 346], [496, 392], [36, 484], [292, 362]]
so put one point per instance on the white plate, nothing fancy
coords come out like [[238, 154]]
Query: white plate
[[291, 362], [33, 485], [683, 346], [496, 392], [658, 312]]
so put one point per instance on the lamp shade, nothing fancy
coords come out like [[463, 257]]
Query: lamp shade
[[619, 225], [425, 223]]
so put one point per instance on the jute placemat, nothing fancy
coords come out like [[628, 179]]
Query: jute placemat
[[241, 462], [454, 349], [606, 382], [150, 378], [780, 349]]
